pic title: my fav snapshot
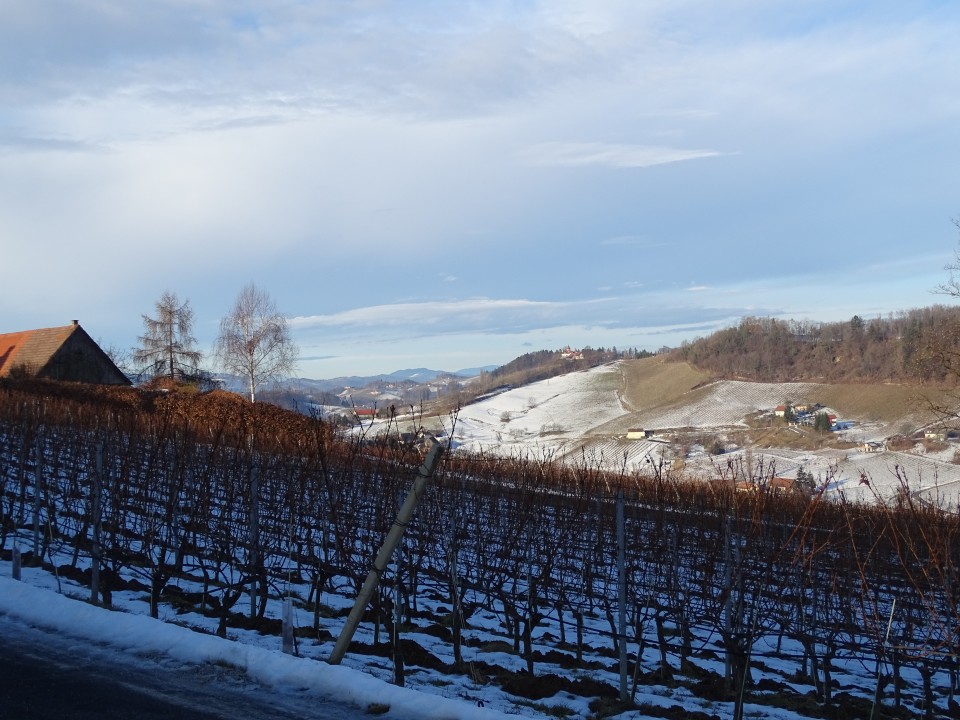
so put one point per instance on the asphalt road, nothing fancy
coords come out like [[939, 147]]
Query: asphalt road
[[46, 676]]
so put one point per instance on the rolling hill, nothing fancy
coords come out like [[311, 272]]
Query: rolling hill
[[704, 427]]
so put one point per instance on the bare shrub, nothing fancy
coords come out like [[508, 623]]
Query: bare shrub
[[900, 443]]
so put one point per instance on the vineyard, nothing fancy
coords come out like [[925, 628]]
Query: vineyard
[[507, 584]]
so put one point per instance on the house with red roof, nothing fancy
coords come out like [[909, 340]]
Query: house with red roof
[[65, 353]]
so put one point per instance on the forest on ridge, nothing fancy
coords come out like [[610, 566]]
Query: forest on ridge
[[910, 346]]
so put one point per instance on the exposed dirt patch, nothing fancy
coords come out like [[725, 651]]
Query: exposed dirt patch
[[539, 687], [413, 654], [653, 382], [675, 712]]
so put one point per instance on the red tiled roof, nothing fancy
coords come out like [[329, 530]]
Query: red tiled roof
[[31, 349]]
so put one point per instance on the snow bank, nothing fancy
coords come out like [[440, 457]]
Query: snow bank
[[140, 634]]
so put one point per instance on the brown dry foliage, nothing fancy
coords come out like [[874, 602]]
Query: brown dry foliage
[[912, 346], [655, 381], [233, 417], [862, 553]]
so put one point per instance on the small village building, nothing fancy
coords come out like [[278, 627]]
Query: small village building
[[780, 410], [65, 353], [781, 485], [937, 435], [639, 434]]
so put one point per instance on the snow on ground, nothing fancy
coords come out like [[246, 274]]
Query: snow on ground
[[576, 417], [725, 403], [140, 635], [928, 479], [554, 417], [542, 418], [362, 680], [580, 417], [35, 601]]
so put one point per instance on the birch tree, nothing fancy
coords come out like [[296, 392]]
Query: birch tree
[[254, 340]]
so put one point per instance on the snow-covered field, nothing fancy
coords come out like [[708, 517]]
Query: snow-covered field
[[581, 417], [544, 418], [41, 600], [725, 403]]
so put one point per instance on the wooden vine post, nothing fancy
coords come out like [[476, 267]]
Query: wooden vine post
[[386, 551]]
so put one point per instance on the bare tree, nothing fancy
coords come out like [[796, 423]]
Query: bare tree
[[121, 357], [939, 356], [255, 341], [952, 286], [167, 344]]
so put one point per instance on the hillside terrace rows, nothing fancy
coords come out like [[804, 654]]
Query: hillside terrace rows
[[711, 576], [532, 422]]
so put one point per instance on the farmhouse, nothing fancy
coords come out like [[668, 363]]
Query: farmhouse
[[639, 434], [60, 353], [780, 485]]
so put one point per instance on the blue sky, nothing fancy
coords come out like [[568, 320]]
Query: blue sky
[[454, 184]]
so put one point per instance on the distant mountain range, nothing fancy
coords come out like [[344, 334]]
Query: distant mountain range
[[416, 375], [334, 386]]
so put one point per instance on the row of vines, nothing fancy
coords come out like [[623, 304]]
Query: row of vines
[[246, 501]]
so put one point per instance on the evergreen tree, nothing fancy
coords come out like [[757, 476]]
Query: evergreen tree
[[821, 423], [806, 481], [167, 344]]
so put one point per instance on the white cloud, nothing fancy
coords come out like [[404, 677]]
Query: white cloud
[[425, 313], [475, 317], [344, 153], [559, 154]]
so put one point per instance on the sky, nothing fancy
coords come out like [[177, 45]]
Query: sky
[[451, 185]]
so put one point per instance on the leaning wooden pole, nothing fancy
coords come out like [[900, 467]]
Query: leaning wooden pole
[[622, 595], [95, 521], [386, 551]]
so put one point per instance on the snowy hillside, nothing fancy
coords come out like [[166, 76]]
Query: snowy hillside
[[582, 417], [544, 418]]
